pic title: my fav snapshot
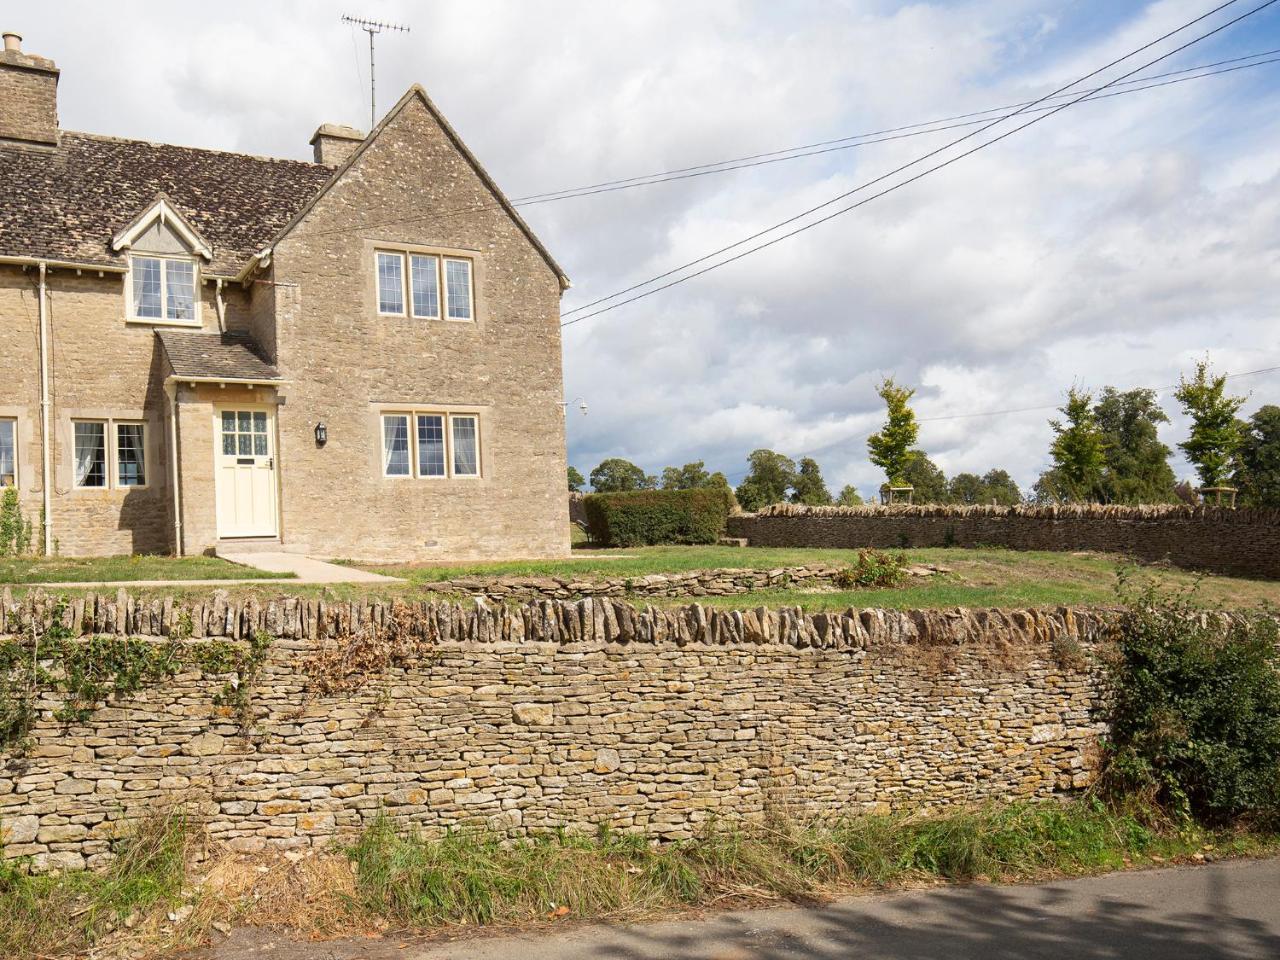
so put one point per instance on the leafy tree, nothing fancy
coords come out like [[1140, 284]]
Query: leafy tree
[[576, 480], [809, 487], [689, 477], [927, 479], [891, 447], [1050, 487], [768, 481], [616, 475], [849, 496], [966, 488], [1137, 464], [1001, 488], [1078, 448], [1259, 474], [1215, 432]]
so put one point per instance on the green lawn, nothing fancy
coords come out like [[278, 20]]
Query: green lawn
[[19, 570], [977, 578]]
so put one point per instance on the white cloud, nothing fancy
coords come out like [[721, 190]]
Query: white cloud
[[1111, 244]]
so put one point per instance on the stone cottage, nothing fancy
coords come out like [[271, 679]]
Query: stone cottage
[[357, 356]]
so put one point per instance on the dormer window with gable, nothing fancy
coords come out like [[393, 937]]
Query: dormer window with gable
[[164, 267], [164, 288]]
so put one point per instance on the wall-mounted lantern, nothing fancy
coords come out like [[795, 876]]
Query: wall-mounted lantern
[[582, 405], [322, 434]]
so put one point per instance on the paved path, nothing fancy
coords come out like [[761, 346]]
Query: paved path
[[306, 569], [1225, 911]]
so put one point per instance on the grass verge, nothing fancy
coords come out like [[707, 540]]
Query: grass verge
[[20, 570], [153, 897]]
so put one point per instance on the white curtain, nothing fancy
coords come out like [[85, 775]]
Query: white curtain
[[395, 446], [89, 454]]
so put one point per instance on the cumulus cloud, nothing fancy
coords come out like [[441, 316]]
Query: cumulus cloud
[[1114, 243]]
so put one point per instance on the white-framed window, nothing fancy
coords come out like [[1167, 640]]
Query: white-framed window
[[90, 452], [457, 273], [395, 445], [466, 445], [8, 452], [390, 283], [109, 453], [430, 444], [424, 285], [131, 454], [163, 289], [432, 287]]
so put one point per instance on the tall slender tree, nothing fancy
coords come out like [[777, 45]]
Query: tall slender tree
[[1077, 449], [1216, 435], [891, 447]]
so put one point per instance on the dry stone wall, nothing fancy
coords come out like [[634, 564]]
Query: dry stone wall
[[1242, 542], [560, 714], [722, 582]]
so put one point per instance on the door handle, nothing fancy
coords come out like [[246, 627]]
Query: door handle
[[271, 463]]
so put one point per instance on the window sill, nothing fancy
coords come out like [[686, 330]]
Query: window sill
[[160, 322]]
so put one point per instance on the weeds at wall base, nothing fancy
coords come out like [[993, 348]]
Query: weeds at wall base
[[159, 894]]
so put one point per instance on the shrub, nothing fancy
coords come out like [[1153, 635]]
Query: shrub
[[642, 517], [1193, 703], [873, 568]]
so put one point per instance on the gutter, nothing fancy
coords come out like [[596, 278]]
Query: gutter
[[173, 378], [46, 466], [62, 264]]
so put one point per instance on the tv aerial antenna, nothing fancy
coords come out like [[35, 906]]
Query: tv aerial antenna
[[373, 28]]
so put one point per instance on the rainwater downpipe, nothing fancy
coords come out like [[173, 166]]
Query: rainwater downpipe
[[46, 451], [221, 305], [171, 389]]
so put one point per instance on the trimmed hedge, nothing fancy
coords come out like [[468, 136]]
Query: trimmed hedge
[[644, 517]]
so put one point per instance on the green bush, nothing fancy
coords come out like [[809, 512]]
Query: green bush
[[1193, 703], [873, 569], [643, 517]]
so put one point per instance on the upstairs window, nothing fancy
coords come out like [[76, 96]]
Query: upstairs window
[[164, 289], [458, 279], [425, 286], [390, 283]]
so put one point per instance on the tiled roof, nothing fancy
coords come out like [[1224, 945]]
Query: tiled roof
[[66, 203], [219, 355]]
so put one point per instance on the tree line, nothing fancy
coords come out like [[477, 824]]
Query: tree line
[[1105, 449]]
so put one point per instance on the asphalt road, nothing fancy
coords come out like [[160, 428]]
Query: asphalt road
[[1225, 910]]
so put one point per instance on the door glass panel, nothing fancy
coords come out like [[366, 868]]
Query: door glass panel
[[244, 424], [228, 422], [259, 444], [245, 445], [259, 422]]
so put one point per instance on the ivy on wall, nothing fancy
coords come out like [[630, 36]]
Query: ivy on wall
[[82, 673]]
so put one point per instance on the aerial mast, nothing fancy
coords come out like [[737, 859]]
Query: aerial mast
[[373, 27]]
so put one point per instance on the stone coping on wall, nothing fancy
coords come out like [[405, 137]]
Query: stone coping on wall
[[600, 620], [1139, 513]]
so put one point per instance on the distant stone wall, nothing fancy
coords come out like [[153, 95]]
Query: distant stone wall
[[560, 714], [1241, 542], [722, 582]]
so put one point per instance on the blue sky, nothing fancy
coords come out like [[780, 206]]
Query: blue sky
[[1114, 243]]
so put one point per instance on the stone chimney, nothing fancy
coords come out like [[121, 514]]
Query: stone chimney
[[28, 96], [334, 144]]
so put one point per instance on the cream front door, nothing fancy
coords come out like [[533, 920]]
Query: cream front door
[[246, 472]]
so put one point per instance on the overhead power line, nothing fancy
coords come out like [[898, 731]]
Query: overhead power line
[[940, 125], [839, 212]]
